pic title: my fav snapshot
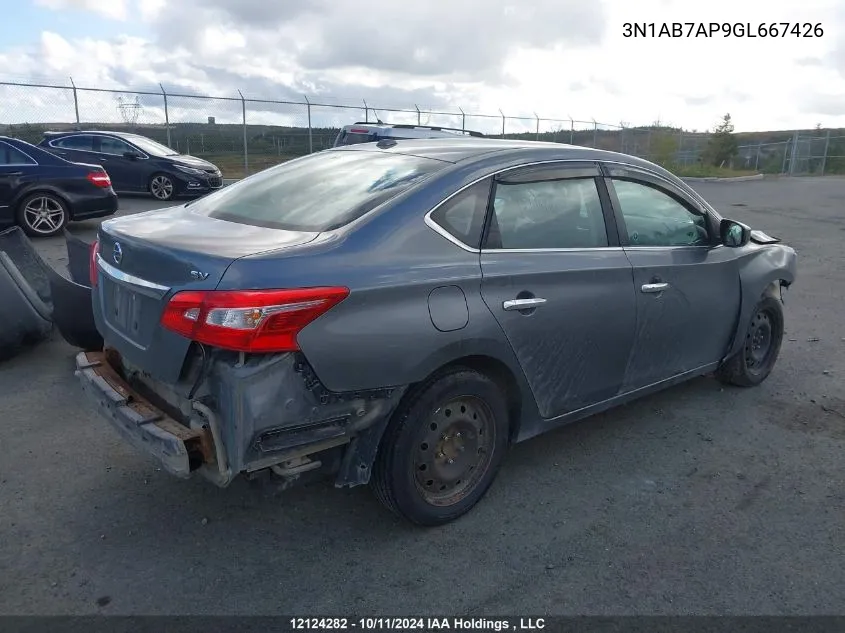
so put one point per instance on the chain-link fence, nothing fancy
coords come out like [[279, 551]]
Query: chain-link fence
[[243, 135]]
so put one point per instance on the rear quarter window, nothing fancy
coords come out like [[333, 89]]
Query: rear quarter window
[[320, 192], [10, 155], [462, 216]]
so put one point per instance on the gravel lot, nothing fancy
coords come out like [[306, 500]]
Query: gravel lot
[[696, 500]]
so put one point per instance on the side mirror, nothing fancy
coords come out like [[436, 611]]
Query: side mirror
[[734, 234], [131, 155]]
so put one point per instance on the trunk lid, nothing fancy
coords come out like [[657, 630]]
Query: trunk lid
[[146, 258]]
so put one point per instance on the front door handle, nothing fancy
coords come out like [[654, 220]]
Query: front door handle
[[651, 288], [12, 173], [523, 304]]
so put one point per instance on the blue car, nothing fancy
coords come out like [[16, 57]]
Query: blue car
[[399, 313], [136, 163]]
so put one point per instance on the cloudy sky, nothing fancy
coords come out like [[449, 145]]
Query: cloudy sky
[[555, 58]]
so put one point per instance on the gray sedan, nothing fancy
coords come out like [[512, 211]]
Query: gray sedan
[[399, 313]]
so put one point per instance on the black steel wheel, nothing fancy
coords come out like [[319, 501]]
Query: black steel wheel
[[443, 448], [453, 450], [761, 347]]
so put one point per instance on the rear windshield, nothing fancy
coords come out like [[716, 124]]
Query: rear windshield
[[319, 192]]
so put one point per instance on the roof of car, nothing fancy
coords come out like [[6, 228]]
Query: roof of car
[[69, 132], [460, 149]]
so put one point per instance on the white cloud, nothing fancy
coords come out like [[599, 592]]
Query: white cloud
[[558, 58], [151, 9], [115, 9]]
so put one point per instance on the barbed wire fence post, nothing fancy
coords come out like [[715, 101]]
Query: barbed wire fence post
[[75, 101], [243, 118], [310, 136], [826, 148], [166, 115], [680, 156], [537, 117], [503, 122], [463, 119], [785, 154]]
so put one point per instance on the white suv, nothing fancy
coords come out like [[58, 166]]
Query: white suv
[[371, 132]]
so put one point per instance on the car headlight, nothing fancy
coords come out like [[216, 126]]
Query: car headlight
[[190, 170]]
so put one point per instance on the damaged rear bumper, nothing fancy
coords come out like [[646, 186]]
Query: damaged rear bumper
[[180, 450], [267, 415]]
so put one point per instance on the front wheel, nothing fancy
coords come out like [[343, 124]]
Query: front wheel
[[42, 214], [162, 187], [443, 448], [761, 348]]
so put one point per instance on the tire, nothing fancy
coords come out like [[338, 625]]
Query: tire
[[162, 187], [425, 471], [761, 347], [42, 214]]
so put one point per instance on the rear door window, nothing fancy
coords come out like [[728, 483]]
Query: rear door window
[[114, 146], [81, 142], [319, 192], [547, 214]]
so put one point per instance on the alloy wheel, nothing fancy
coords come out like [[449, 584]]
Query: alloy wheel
[[44, 215], [161, 187]]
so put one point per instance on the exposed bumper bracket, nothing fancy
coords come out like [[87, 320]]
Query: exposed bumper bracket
[[180, 450]]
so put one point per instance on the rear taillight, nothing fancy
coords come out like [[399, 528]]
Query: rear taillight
[[249, 320], [99, 179], [92, 262]]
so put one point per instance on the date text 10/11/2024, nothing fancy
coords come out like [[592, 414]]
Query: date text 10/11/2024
[[722, 29], [416, 624]]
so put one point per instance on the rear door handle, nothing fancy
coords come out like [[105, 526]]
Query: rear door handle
[[522, 304], [652, 288], [12, 173]]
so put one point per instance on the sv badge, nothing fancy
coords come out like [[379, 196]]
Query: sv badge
[[199, 275]]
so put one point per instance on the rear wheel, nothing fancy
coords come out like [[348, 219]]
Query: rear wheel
[[42, 214], [162, 187], [443, 448], [761, 348]]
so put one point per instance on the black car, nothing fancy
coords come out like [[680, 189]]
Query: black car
[[42, 192], [136, 163]]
